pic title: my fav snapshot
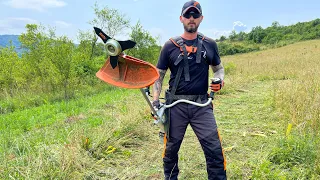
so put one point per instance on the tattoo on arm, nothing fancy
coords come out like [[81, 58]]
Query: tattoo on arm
[[158, 84], [218, 71]]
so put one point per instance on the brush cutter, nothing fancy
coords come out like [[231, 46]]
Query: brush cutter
[[129, 72]]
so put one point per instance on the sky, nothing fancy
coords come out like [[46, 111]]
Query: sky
[[158, 17]]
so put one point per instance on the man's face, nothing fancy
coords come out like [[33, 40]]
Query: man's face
[[191, 20]]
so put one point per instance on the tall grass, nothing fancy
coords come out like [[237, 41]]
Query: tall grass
[[294, 71]]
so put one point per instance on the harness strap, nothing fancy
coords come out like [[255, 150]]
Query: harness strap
[[175, 84], [199, 49], [178, 41], [186, 64], [169, 100], [180, 57], [195, 98]]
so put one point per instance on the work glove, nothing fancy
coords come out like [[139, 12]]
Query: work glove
[[156, 104], [216, 84]]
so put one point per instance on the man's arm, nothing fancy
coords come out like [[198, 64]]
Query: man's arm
[[157, 87], [218, 71]]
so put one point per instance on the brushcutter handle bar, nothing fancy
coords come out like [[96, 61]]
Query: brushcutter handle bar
[[189, 102], [162, 108]]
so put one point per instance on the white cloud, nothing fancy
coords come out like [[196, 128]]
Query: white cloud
[[39, 5], [15, 25], [62, 24], [238, 26]]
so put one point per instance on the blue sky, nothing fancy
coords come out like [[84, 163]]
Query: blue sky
[[159, 17]]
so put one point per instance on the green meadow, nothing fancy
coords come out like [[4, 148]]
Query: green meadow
[[268, 116]]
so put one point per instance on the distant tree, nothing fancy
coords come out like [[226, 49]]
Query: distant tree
[[315, 22], [10, 70], [233, 35], [257, 34], [222, 38], [38, 44], [275, 24], [111, 21], [241, 36], [61, 56], [146, 47]]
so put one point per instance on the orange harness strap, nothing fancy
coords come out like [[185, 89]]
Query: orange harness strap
[[190, 49]]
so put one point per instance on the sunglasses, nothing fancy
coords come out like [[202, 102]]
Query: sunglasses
[[193, 14]]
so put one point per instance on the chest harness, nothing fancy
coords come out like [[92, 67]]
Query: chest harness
[[185, 51]]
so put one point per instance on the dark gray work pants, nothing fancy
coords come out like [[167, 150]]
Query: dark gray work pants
[[204, 125]]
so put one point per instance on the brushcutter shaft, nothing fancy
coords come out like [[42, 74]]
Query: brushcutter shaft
[[144, 93]]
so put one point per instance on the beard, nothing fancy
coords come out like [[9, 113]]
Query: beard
[[190, 29]]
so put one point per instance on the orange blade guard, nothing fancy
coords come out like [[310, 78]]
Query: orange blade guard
[[130, 73]]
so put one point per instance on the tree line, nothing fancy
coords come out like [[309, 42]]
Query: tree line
[[275, 35]]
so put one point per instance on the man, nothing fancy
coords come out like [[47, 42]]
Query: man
[[188, 57]]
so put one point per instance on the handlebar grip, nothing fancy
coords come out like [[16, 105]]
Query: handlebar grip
[[211, 95]]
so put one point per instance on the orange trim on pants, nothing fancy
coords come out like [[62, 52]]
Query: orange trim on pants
[[224, 158], [164, 144]]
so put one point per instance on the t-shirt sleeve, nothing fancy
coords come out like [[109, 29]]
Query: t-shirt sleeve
[[215, 56], [164, 58]]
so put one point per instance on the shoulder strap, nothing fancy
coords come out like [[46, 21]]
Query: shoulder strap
[[199, 47], [178, 41], [201, 36]]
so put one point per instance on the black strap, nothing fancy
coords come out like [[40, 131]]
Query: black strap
[[180, 57], [194, 98], [199, 49], [175, 84], [186, 64]]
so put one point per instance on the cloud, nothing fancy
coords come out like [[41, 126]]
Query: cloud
[[15, 25], [239, 26], [39, 5], [62, 24]]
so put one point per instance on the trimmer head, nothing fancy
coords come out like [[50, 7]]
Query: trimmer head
[[114, 47], [122, 70]]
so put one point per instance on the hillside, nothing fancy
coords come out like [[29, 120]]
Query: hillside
[[267, 114], [5, 40]]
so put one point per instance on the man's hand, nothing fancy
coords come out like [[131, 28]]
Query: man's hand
[[156, 104], [216, 84]]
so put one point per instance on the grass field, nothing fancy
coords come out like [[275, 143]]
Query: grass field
[[268, 115]]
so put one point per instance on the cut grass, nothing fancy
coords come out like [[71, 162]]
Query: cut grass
[[119, 140]]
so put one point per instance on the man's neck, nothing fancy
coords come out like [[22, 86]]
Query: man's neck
[[189, 36]]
